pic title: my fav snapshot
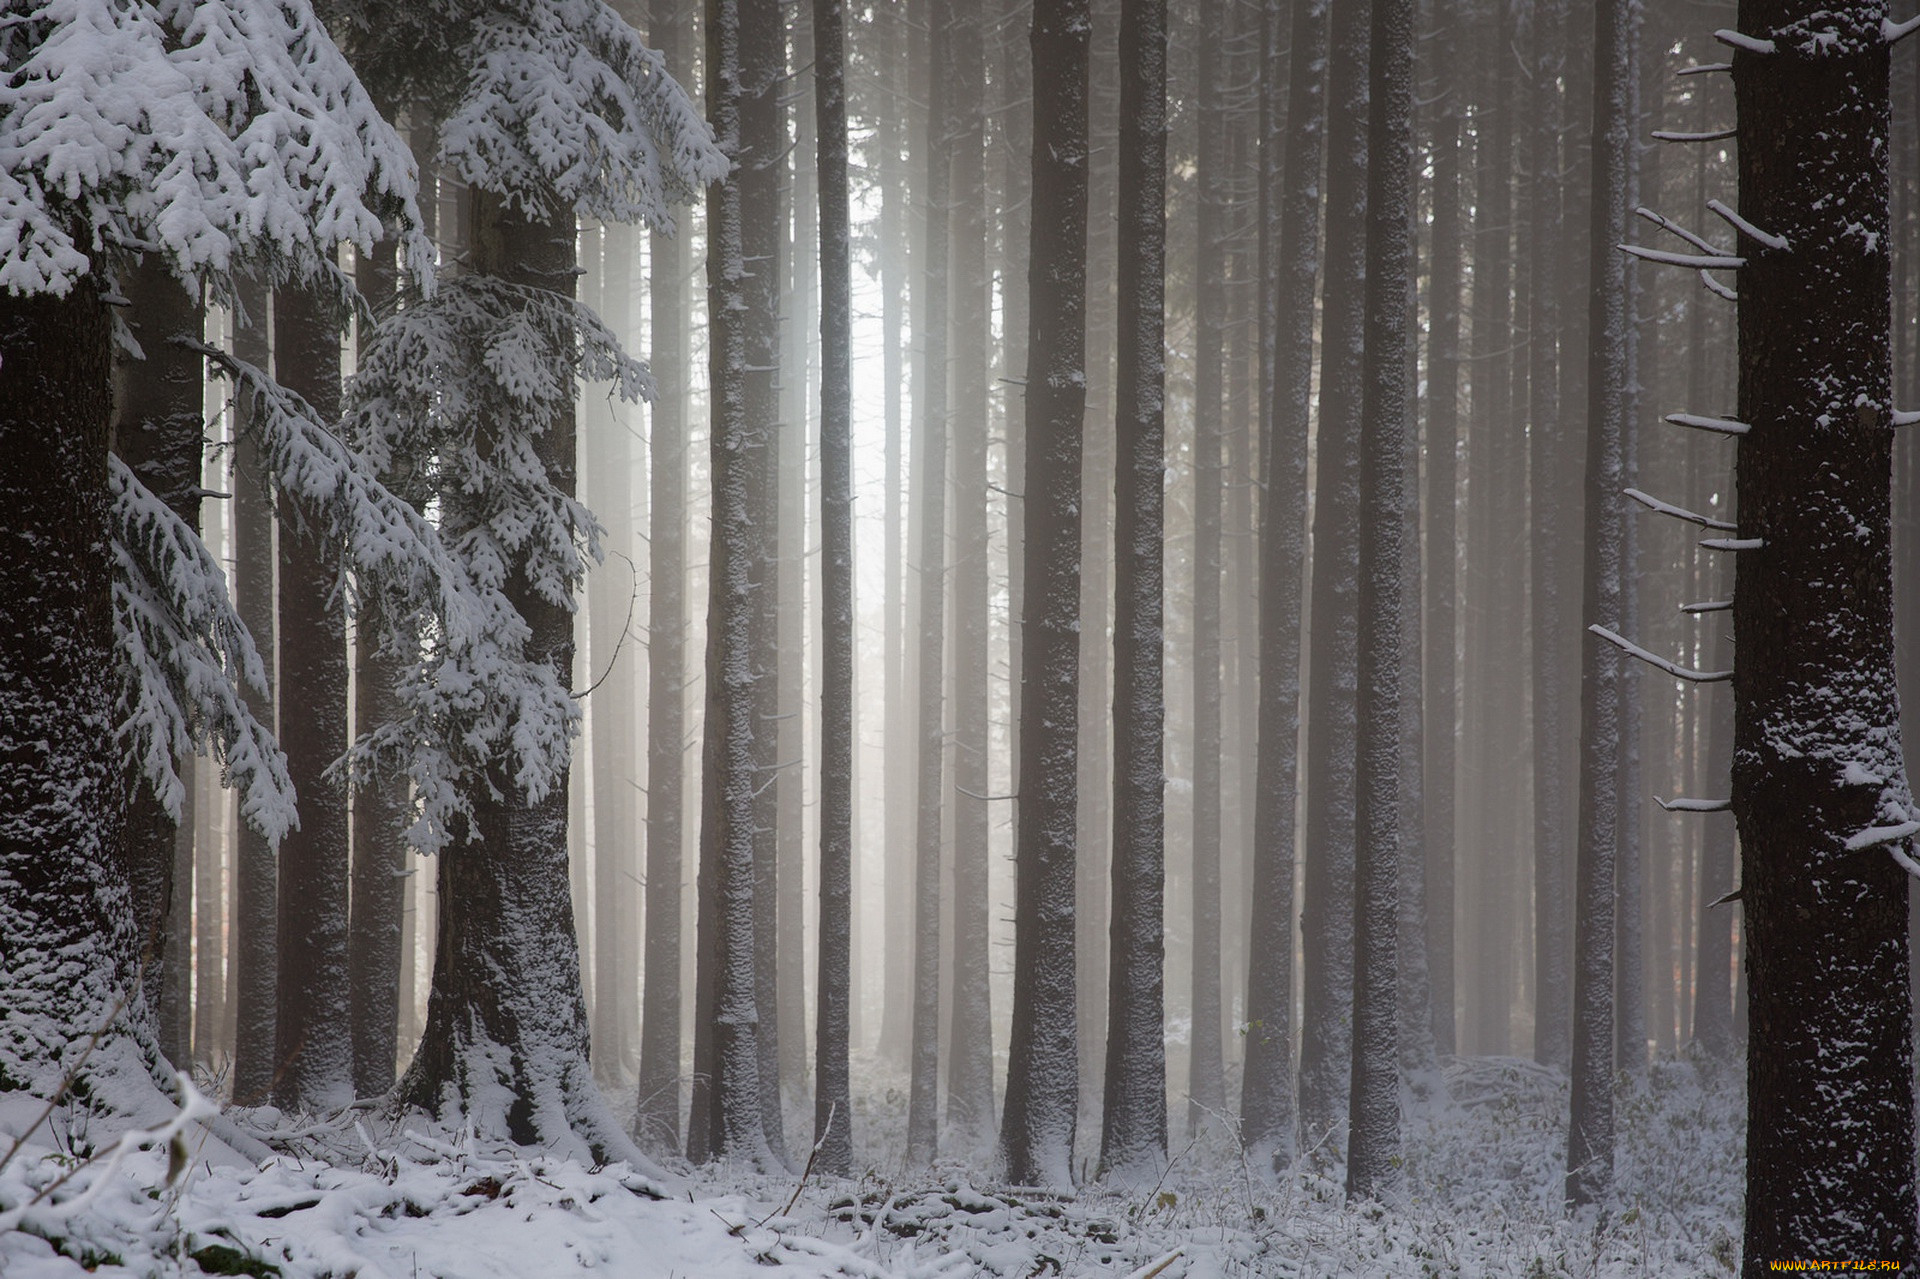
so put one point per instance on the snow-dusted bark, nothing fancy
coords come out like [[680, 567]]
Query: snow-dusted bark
[[930, 512], [1133, 1136], [66, 915], [1819, 789], [1373, 1153], [505, 1045], [833, 1099], [725, 1121], [249, 141], [1266, 1098], [1590, 1125], [1326, 918], [761, 169], [1036, 1134]]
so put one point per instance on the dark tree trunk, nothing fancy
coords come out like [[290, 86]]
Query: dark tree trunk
[[1374, 1101], [1440, 720], [1133, 1137], [1548, 443], [970, 1043], [313, 1037], [1206, 1083], [762, 158], [255, 868], [1326, 920], [64, 890], [1043, 1071], [833, 1100], [657, 1117], [380, 814], [1819, 788], [1590, 1128], [506, 1040], [930, 511], [1266, 1102], [159, 425], [726, 1119]]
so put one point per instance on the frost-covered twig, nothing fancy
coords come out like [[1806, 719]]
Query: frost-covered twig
[[1632, 649], [1659, 507], [1715, 425], [1683, 805], [1727, 214], [1749, 44], [1710, 135]]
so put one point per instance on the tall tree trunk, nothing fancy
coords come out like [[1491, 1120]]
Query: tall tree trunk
[[1326, 921], [833, 1100], [930, 504], [1374, 1104], [1133, 1137], [1206, 1083], [313, 1039], [506, 1041], [970, 1043], [1266, 1100], [1548, 442], [726, 1119], [158, 432], [71, 944], [1590, 1127], [1819, 789], [1042, 1102], [762, 158], [1440, 720], [255, 867], [380, 811], [657, 1117]]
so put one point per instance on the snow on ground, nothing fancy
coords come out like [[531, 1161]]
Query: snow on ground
[[378, 1201]]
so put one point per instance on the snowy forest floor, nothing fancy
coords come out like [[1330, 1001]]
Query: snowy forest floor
[[369, 1200]]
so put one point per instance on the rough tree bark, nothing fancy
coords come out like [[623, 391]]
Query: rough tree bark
[[1373, 1153], [726, 1119], [1590, 1124], [1326, 919], [1042, 1100], [833, 1101], [1819, 788], [1133, 1137], [1266, 1099]]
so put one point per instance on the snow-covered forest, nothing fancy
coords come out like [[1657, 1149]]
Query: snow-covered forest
[[910, 638]]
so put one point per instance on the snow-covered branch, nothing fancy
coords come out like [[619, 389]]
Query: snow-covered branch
[[1711, 135], [561, 101], [1632, 649], [185, 655], [224, 136], [1748, 44], [1697, 261], [1727, 214], [1659, 507], [1717, 425], [1682, 805], [1894, 32]]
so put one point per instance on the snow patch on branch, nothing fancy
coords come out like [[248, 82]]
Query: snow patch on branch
[[225, 136]]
